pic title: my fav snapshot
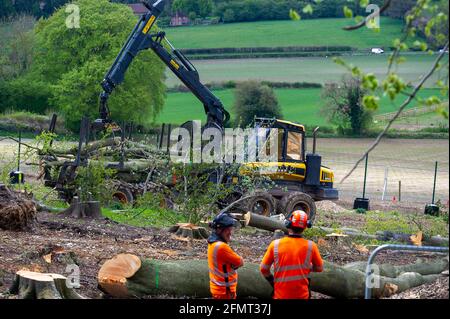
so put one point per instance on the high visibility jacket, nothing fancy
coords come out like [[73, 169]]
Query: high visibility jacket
[[221, 261], [293, 259]]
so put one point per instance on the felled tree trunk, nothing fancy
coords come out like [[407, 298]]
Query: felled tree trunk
[[81, 210], [17, 211], [93, 146], [271, 224], [32, 285], [189, 231], [127, 276], [262, 222]]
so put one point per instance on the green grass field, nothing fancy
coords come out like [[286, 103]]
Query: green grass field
[[315, 32], [310, 69], [299, 105]]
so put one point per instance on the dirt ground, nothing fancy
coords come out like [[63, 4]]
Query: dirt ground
[[90, 243], [409, 161]]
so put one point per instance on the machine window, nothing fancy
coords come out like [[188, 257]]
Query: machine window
[[294, 146]]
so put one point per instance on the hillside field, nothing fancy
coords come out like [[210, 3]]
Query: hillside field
[[309, 69], [299, 105], [314, 32]]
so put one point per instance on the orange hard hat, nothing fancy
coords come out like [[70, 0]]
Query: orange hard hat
[[298, 219]]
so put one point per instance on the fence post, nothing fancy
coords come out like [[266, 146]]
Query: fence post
[[365, 176], [386, 171], [434, 185], [168, 138], [399, 191]]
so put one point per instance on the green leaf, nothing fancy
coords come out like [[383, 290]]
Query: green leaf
[[348, 13], [370, 81], [371, 102], [308, 9], [363, 3], [294, 15], [356, 71], [443, 112], [433, 100], [339, 61]]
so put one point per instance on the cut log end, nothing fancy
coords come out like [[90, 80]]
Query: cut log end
[[114, 273], [265, 223]]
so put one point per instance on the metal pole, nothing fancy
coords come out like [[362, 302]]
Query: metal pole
[[365, 176], [161, 136], [434, 186], [168, 138], [368, 290], [386, 172], [18, 155]]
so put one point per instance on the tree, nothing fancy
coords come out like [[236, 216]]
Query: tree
[[201, 8], [6, 8], [255, 100], [16, 47], [74, 61], [228, 15], [343, 106], [18, 91]]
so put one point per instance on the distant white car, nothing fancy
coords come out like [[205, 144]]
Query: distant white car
[[377, 51]]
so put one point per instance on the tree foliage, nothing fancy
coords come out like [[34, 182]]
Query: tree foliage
[[254, 99], [344, 108], [73, 63], [199, 8], [256, 10]]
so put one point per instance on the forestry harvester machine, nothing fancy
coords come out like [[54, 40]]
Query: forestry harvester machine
[[298, 179]]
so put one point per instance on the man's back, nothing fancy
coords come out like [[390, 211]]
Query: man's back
[[293, 259]]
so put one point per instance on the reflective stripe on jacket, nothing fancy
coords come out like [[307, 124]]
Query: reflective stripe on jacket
[[221, 259], [293, 259]]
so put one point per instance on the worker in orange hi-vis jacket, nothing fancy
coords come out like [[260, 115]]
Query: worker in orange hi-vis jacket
[[293, 259], [222, 260]]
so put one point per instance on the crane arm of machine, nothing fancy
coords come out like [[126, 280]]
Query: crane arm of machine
[[141, 39]]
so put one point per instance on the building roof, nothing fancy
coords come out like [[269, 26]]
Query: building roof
[[138, 8]]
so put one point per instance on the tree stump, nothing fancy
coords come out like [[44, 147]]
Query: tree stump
[[81, 210], [189, 231], [17, 211], [33, 285]]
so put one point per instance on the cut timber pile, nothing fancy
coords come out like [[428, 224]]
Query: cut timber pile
[[33, 285], [135, 166], [137, 157], [17, 211], [189, 231], [127, 276]]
